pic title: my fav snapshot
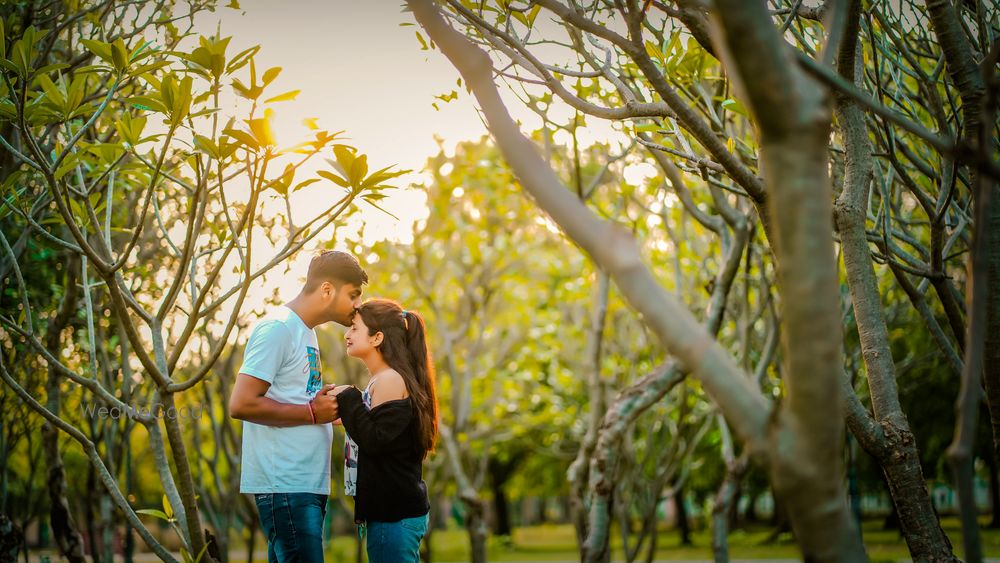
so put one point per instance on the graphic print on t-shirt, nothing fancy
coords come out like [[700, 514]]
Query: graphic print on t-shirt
[[315, 377]]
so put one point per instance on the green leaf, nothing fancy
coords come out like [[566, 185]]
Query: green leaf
[[241, 59], [153, 512], [304, 183], [345, 158], [147, 103], [204, 547], [169, 510], [51, 91], [119, 55], [138, 53], [287, 96], [244, 138], [149, 67], [3, 40], [261, 129], [653, 50], [423, 44], [207, 145], [69, 163], [533, 13], [270, 74], [334, 178], [99, 48], [47, 69], [358, 170], [182, 102], [736, 107]]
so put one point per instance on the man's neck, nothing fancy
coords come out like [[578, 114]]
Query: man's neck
[[300, 308]]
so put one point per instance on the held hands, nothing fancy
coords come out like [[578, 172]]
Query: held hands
[[324, 406]]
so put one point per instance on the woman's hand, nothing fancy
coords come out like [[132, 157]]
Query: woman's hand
[[338, 389]]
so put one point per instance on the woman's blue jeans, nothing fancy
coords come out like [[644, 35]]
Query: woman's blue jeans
[[396, 542], [293, 525]]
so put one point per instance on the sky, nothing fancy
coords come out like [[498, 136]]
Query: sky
[[359, 71]]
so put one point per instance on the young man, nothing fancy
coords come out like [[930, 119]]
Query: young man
[[287, 435]]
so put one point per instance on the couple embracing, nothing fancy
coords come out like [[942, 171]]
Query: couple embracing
[[289, 415]]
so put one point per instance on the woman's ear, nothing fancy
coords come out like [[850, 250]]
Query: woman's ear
[[377, 339]]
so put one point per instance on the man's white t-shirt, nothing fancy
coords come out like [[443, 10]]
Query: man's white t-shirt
[[284, 352]]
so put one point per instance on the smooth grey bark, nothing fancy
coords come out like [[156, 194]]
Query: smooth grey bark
[[894, 446], [792, 113], [726, 495], [578, 474], [977, 124], [475, 508], [982, 261]]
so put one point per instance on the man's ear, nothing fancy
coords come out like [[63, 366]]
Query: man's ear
[[328, 288]]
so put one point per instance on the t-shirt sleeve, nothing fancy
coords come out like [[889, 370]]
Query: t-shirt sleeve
[[265, 350]]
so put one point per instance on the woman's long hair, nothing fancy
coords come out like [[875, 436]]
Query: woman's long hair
[[404, 348]]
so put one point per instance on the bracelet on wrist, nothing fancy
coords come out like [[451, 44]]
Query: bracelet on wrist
[[312, 413]]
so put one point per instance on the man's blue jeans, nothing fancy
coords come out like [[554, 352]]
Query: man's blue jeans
[[293, 525], [396, 542]]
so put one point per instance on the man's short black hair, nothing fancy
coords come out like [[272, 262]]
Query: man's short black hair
[[336, 267]]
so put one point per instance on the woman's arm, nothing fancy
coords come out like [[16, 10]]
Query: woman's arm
[[372, 429]]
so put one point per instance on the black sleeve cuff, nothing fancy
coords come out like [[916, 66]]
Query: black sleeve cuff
[[348, 397]]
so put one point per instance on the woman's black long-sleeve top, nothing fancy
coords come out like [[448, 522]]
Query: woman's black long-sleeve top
[[390, 484]]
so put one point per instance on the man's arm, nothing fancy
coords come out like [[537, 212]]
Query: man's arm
[[247, 402]]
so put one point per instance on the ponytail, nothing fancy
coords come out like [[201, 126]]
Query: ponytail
[[423, 367]]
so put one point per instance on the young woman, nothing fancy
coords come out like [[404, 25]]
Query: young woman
[[391, 427]]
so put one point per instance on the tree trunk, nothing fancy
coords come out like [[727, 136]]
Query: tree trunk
[[683, 525], [93, 497], [725, 499], [64, 529], [578, 474], [11, 539], [994, 491], [895, 448], [475, 525], [500, 473], [251, 540], [501, 512], [794, 121]]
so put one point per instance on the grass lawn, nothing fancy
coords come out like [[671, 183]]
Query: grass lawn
[[556, 543]]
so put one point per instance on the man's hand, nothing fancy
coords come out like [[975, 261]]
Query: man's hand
[[324, 406]]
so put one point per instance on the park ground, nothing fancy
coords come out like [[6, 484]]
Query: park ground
[[555, 542]]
